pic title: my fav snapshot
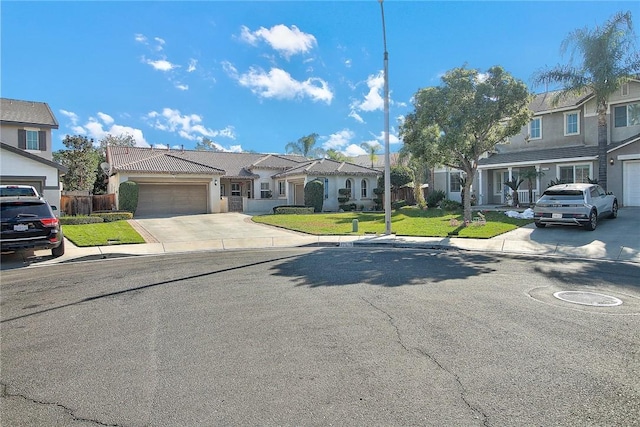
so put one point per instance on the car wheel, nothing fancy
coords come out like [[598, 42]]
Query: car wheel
[[614, 210], [540, 225], [59, 251], [593, 221]]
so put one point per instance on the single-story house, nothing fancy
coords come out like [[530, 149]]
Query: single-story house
[[177, 181]]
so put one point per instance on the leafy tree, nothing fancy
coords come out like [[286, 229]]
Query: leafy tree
[[400, 175], [82, 159], [607, 60], [314, 195], [207, 145], [455, 123], [305, 147], [122, 140], [337, 156], [372, 151]]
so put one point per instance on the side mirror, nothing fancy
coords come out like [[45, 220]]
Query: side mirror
[[54, 208]]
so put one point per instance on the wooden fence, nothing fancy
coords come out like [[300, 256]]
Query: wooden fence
[[72, 204]]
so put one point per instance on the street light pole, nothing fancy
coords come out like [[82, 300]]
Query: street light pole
[[387, 166]]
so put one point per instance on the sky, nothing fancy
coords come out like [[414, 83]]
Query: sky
[[256, 75]]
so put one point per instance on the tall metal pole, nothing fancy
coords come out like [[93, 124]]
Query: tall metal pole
[[387, 166]]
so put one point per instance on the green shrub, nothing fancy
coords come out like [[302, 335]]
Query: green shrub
[[128, 198], [450, 205], [79, 220], [314, 195], [398, 204], [435, 197], [293, 210], [112, 216]]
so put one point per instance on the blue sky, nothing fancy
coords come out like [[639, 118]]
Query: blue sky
[[254, 76]]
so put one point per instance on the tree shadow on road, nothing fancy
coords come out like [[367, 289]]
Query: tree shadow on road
[[383, 267]]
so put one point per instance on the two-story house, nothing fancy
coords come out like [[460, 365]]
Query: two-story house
[[26, 156], [561, 145]]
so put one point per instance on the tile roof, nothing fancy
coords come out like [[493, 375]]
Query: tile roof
[[326, 167], [137, 159], [27, 112]]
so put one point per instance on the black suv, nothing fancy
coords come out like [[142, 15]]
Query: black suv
[[29, 223]]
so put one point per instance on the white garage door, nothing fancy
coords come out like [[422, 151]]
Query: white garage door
[[631, 182], [164, 199]]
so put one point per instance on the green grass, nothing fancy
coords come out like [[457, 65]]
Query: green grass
[[102, 234], [404, 222]]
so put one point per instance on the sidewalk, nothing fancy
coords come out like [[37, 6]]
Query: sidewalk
[[512, 243]]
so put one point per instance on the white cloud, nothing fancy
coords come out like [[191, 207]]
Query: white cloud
[[71, 115], [354, 150], [192, 65], [160, 64], [182, 86], [107, 119], [140, 38], [160, 44], [186, 126], [347, 63], [374, 99], [287, 41], [356, 116], [279, 84], [98, 128], [338, 140]]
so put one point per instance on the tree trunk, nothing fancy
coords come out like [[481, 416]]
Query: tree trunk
[[467, 198], [602, 146]]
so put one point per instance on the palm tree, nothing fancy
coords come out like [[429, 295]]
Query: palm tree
[[305, 146], [608, 60], [337, 156], [372, 151]]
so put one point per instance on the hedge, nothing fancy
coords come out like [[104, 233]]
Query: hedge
[[79, 220], [111, 216], [293, 210]]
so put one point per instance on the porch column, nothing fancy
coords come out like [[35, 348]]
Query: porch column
[[537, 183], [480, 196]]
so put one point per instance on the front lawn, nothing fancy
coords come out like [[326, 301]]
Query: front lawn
[[404, 222], [102, 234]]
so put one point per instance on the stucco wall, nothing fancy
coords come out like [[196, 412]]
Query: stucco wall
[[14, 165], [9, 135]]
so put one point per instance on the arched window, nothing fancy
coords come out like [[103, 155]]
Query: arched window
[[347, 185], [363, 186]]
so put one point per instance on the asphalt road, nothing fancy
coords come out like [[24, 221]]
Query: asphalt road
[[334, 336]]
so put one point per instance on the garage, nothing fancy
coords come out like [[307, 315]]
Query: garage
[[631, 182], [171, 199]]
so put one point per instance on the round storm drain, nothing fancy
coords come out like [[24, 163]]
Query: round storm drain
[[588, 298]]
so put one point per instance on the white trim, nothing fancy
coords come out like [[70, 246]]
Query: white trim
[[577, 114], [628, 156], [531, 138], [624, 145], [538, 162], [590, 175]]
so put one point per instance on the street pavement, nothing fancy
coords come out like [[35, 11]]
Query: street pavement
[[615, 240]]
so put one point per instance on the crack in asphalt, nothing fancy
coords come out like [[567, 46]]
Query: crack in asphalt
[[463, 390], [5, 395]]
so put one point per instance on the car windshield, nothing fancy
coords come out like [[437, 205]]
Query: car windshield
[[17, 191], [563, 195], [13, 210]]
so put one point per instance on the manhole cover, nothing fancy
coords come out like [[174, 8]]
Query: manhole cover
[[588, 298]]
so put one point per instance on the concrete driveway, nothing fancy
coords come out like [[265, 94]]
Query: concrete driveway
[[195, 228]]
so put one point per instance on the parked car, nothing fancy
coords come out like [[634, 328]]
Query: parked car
[[30, 223], [18, 190], [574, 204]]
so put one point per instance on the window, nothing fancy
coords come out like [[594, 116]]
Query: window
[[235, 189], [535, 128], [571, 123], [455, 185], [627, 115], [326, 188], [282, 188], [32, 140], [574, 174], [363, 189], [347, 185], [265, 193]]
